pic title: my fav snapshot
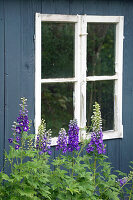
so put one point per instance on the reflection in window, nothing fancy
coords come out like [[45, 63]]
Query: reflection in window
[[57, 50], [57, 105], [103, 93], [100, 49]]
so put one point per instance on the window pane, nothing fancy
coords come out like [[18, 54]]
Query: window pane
[[100, 49], [58, 50], [101, 92], [57, 105]]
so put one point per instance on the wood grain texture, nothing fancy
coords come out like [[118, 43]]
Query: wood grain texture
[[59, 7], [2, 121], [48, 7], [27, 79], [76, 7], [12, 64]]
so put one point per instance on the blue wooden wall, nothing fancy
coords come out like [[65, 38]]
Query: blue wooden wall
[[17, 60]]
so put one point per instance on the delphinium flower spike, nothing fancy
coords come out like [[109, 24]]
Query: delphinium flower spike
[[22, 125], [73, 136], [43, 139], [62, 141], [96, 144]]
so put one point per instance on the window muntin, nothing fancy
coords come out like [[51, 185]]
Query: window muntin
[[81, 79]]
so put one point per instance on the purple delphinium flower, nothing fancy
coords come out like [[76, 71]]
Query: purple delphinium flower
[[17, 147], [10, 140], [43, 143], [62, 141], [17, 139], [41, 152], [96, 144], [122, 181], [25, 128], [73, 136], [22, 124], [18, 129], [43, 140], [49, 152]]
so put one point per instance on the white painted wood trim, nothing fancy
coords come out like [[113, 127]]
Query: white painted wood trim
[[118, 83], [83, 68], [59, 18], [80, 69], [37, 72], [58, 80], [101, 78], [76, 98], [107, 135], [102, 19]]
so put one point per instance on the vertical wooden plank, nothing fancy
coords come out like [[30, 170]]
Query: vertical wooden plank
[[27, 80], [62, 7], [37, 72], [12, 65], [48, 7], [126, 147], [113, 152], [2, 131], [76, 7]]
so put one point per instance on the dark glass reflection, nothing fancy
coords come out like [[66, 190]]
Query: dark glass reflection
[[100, 49], [57, 105], [57, 50], [101, 92]]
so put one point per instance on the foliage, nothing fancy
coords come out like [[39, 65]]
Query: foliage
[[77, 175], [29, 177]]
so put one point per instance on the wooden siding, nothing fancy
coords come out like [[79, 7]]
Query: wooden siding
[[17, 60]]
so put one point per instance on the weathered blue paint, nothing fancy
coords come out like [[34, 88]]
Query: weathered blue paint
[[2, 121], [17, 63]]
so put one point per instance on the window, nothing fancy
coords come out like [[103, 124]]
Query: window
[[78, 60]]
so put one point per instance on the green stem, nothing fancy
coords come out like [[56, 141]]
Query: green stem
[[72, 163], [94, 176], [131, 192]]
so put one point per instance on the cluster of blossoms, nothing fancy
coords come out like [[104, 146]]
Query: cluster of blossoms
[[123, 181], [43, 139], [96, 144], [62, 141], [22, 124], [73, 138]]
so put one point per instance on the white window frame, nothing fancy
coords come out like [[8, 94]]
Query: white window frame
[[80, 78]]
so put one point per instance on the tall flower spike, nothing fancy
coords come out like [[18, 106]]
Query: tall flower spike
[[22, 124], [62, 141], [43, 139], [96, 144], [96, 119], [73, 136]]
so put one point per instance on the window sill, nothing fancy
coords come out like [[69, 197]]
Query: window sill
[[107, 135]]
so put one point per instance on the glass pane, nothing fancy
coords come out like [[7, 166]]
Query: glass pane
[[101, 92], [100, 49], [57, 105], [57, 50]]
